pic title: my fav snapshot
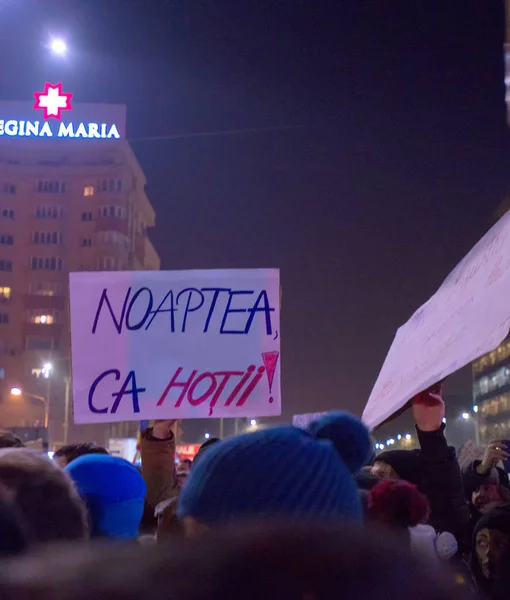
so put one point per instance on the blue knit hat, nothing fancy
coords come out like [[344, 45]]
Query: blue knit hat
[[282, 472], [114, 492]]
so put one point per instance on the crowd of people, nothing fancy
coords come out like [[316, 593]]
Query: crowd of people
[[277, 513]]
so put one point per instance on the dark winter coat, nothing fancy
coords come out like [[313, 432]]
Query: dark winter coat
[[436, 472]]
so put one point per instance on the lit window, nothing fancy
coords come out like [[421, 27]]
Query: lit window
[[43, 319], [88, 190], [5, 294]]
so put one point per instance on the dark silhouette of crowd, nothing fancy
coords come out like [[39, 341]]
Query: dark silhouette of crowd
[[281, 513]]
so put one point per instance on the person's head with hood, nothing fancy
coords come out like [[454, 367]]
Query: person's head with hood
[[398, 464], [490, 559], [280, 473], [114, 492]]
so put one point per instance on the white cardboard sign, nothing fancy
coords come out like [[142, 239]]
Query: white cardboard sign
[[302, 421], [175, 344], [468, 316]]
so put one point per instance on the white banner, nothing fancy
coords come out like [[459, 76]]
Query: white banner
[[302, 421], [175, 344], [468, 316]]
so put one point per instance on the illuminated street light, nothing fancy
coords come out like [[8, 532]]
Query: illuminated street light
[[465, 415], [399, 437], [16, 391], [58, 46], [46, 369], [475, 408], [207, 435], [408, 436], [253, 422]]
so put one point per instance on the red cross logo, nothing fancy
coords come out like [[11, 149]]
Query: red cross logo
[[53, 100]]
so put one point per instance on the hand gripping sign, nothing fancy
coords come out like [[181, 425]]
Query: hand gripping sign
[[175, 344]]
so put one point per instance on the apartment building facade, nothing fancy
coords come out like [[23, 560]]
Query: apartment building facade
[[69, 201]]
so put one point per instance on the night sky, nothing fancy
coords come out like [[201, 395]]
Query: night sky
[[377, 152]]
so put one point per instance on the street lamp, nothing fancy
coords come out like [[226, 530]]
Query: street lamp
[[16, 391], [58, 46], [207, 436], [46, 370], [253, 422], [465, 416], [55, 46]]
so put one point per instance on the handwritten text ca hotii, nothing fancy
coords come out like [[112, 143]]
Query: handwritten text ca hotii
[[214, 310]]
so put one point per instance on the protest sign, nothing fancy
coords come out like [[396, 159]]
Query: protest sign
[[302, 421], [468, 316], [175, 344]]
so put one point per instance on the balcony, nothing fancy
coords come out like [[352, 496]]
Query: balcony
[[42, 302], [48, 331], [112, 224]]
